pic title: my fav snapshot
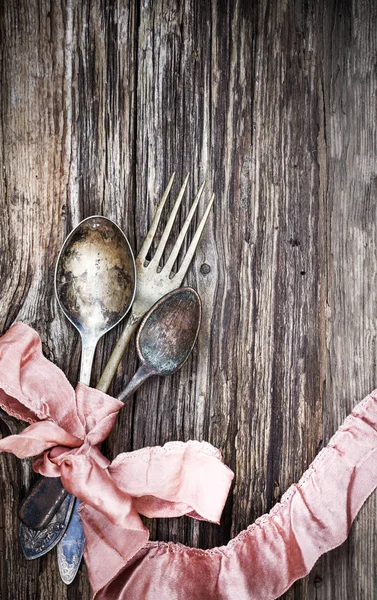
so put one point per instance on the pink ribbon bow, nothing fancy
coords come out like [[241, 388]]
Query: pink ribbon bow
[[66, 428], [260, 563]]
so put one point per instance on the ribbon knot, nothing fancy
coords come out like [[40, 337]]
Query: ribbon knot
[[313, 516], [66, 428]]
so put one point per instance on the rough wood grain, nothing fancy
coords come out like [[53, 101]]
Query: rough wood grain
[[275, 104]]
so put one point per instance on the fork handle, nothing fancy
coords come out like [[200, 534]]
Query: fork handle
[[116, 356]]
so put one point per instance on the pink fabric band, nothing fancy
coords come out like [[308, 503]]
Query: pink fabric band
[[263, 561]]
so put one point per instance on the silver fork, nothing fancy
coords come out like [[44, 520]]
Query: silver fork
[[154, 282]]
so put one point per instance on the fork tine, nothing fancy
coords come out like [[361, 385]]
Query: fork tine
[[177, 246], [156, 219], [161, 246], [194, 242]]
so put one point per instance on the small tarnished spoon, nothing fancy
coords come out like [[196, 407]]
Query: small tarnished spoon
[[166, 337]]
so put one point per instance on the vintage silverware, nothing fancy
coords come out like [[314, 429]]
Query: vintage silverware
[[154, 282], [166, 337]]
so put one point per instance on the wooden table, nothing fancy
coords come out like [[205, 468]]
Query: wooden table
[[274, 104]]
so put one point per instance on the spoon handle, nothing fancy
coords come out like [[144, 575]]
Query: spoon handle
[[143, 372], [87, 355], [71, 546], [116, 356]]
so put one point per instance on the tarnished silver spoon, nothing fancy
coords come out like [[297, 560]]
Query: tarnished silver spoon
[[166, 336], [95, 281]]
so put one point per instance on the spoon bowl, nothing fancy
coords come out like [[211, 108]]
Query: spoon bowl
[[166, 336], [95, 276], [95, 281]]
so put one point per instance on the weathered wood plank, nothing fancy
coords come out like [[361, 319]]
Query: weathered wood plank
[[275, 105]]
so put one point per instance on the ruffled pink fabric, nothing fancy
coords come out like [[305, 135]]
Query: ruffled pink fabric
[[66, 428], [261, 563]]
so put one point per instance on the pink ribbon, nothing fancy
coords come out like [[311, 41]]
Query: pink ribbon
[[260, 563], [65, 431]]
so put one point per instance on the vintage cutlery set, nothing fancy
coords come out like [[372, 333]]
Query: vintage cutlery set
[[97, 282]]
